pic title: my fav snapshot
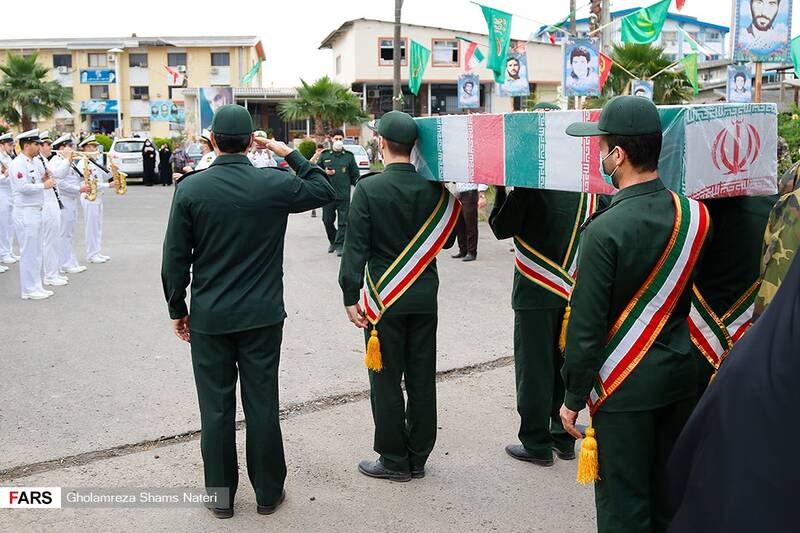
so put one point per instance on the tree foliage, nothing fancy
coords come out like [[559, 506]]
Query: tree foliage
[[326, 102], [26, 93]]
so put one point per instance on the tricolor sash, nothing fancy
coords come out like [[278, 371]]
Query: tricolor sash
[[412, 261], [556, 278], [644, 317], [714, 336]]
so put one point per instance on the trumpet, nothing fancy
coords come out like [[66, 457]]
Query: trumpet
[[121, 179]]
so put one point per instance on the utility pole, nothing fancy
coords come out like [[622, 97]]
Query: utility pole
[[605, 23], [397, 95], [572, 17]]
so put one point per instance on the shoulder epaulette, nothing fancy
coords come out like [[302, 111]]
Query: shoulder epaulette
[[184, 176]]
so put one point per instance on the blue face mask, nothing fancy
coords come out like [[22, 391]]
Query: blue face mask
[[609, 178]]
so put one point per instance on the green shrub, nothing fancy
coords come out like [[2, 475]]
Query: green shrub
[[169, 141], [105, 141], [307, 148]]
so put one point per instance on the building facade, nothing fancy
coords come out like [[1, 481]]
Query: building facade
[[675, 44], [149, 99], [362, 55]]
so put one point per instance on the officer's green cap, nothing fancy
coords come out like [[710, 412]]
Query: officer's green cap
[[232, 119], [396, 126], [623, 115], [549, 106]]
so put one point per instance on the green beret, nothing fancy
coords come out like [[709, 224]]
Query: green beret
[[547, 106], [232, 119], [396, 126]]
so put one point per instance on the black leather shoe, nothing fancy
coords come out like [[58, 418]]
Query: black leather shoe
[[269, 509], [313, 214], [338, 253], [469, 257], [565, 454], [221, 512], [331, 249], [459, 255], [518, 452], [377, 470], [418, 473]]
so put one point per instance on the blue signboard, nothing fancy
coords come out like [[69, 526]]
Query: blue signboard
[[94, 107], [98, 75]]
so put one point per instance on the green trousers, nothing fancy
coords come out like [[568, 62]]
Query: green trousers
[[253, 355], [405, 431], [703, 371], [540, 388], [334, 217], [633, 448]]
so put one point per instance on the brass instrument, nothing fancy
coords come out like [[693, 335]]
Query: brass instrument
[[88, 181], [121, 179]]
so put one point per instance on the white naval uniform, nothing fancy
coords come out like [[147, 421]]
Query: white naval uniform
[[6, 207], [27, 193], [93, 211], [262, 159], [69, 187], [51, 222], [206, 161]]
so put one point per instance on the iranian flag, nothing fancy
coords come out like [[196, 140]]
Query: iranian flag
[[708, 151], [176, 78], [473, 56]]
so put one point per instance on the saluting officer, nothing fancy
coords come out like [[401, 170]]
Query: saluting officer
[[226, 233]]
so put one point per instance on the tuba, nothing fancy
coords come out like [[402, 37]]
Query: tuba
[[120, 177]]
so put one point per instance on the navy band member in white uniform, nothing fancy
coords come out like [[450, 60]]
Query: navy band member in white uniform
[[7, 256], [70, 187], [51, 213], [93, 210]]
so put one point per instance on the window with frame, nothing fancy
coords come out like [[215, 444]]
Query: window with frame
[[445, 52], [62, 60], [137, 60], [669, 37], [66, 125], [140, 93], [98, 60], [98, 92], [338, 64], [220, 59], [387, 51], [713, 36], [176, 59]]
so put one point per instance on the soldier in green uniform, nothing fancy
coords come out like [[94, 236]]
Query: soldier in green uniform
[[340, 165], [226, 232], [727, 282], [398, 222], [549, 223], [627, 346]]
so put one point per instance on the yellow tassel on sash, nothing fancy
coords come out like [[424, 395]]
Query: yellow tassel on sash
[[588, 465], [562, 338], [373, 359]]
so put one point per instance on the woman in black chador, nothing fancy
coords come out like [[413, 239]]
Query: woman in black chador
[[165, 165], [149, 163]]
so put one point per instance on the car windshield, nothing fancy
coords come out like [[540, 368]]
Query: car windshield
[[194, 149], [355, 149], [129, 147]]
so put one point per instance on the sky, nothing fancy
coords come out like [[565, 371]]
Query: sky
[[292, 31]]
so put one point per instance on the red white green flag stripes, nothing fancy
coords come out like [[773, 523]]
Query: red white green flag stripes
[[644, 317], [714, 336], [411, 263], [558, 279]]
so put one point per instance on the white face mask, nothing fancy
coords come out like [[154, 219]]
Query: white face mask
[[338, 145]]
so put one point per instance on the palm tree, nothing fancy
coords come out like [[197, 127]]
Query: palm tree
[[326, 102], [643, 61], [26, 93]]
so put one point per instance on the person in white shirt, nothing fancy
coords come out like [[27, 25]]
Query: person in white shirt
[[7, 256], [93, 210], [70, 187], [467, 229], [209, 155], [261, 157], [28, 186], [51, 214]]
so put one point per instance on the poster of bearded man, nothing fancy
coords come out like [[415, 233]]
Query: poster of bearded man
[[763, 31]]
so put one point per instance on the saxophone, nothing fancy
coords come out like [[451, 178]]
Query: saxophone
[[121, 178], [91, 183]]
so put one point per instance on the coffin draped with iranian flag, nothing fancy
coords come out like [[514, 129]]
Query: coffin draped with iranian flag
[[709, 151]]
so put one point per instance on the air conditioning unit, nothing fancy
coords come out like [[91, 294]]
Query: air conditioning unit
[[181, 68], [214, 70], [63, 69], [145, 97], [374, 93]]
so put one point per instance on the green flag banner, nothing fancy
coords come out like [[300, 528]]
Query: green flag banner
[[247, 78], [689, 62], [419, 60], [644, 26], [796, 55], [499, 23]]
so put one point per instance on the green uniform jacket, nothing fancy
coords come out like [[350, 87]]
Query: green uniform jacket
[[619, 249], [545, 220], [732, 259], [781, 243], [344, 163], [387, 211], [227, 224]]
